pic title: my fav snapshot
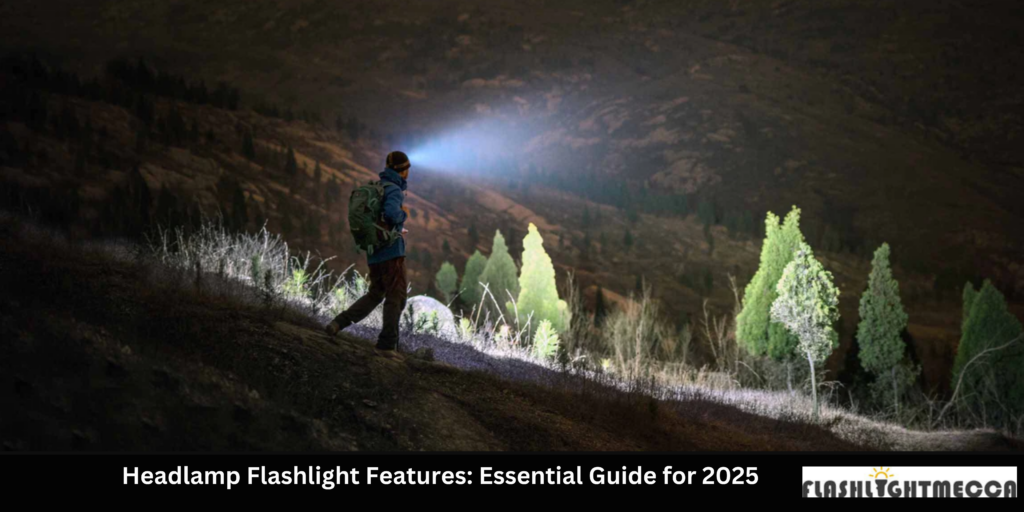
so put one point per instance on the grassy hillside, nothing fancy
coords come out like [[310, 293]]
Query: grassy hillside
[[885, 122], [108, 349]]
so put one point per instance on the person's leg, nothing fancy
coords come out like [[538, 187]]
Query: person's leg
[[394, 303], [364, 305]]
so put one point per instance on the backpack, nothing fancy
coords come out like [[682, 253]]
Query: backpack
[[365, 218]]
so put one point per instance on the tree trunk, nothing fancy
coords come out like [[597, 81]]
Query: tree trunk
[[814, 386], [789, 376], [895, 393]]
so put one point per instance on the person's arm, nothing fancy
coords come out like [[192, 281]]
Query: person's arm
[[393, 213]]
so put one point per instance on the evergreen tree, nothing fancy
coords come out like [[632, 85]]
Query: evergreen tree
[[538, 293], [140, 200], [474, 236], [627, 239], [471, 290], [754, 329], [882, 320], [447, 281], [600, 309], [992, 338], [500, 272], [445, 248], [807, 305], [969, 295], [291, 166], [239, 212]]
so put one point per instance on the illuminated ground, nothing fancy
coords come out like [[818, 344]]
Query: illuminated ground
[[105, 354]]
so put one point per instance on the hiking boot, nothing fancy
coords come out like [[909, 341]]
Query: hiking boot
[[334, 328]]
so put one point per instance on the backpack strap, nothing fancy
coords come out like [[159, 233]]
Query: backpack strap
[[390, 235]]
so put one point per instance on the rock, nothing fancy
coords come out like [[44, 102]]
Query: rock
[[423, 306]]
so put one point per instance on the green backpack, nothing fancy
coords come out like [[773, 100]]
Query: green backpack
[[365, 218]]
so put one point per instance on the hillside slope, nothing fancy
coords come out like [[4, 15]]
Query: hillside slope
[[108, 351], [108, 355], [896, 122]]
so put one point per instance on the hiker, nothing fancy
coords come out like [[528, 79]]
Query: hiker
[[386, 259]]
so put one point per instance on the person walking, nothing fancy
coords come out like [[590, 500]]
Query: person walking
[[387, 265]]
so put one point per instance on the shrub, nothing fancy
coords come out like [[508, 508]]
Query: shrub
[[545, 341]]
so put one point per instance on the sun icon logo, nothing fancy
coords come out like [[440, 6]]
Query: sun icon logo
[[881, 472]]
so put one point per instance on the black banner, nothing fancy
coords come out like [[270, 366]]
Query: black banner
[[736, 477]]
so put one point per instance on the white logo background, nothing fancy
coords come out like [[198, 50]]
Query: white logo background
[[915, 473]]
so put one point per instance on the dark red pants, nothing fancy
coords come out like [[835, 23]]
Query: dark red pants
[[388, 284]]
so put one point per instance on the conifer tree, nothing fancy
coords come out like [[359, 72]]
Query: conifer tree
[[538, 293], [882, 320], [239, 212], [600, 309], [969, 295], [471, 291], [754, 329], [500, 272], [291, 167], [447, 281], [807, 306], [989, 364], [140, 201]]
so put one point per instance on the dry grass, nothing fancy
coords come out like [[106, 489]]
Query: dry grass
[[161, 309]]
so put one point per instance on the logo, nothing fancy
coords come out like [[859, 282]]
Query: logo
[[909, 482]]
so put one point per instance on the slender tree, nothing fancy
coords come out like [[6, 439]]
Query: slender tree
[[538, 293], [755, 330], [807, 305], [291, 166], [882, 321], [600, 309], [447, 281], [500, 272], [471, 290]]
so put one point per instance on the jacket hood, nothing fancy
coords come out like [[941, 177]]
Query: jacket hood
[[391, 175]]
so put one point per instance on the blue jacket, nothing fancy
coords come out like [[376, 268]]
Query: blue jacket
[[393, 215]]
